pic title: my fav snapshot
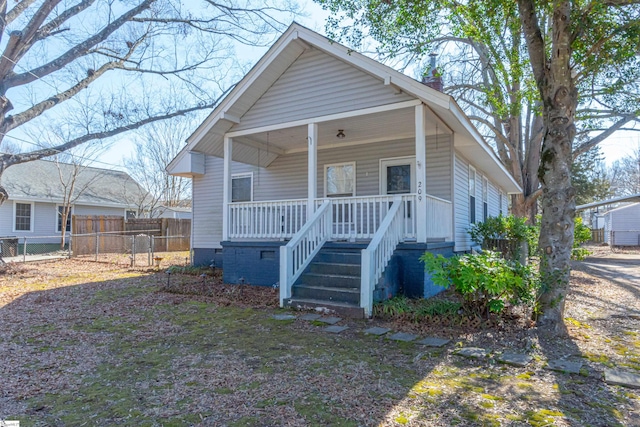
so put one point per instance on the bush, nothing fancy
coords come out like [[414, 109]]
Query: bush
[[485, 282], [512, 229]]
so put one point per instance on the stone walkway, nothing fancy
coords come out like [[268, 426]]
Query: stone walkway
[[611, 376]]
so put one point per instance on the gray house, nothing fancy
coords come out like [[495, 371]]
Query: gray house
[[36, 193], [328, 174]]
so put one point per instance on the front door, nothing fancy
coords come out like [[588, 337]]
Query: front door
[[398, 176]]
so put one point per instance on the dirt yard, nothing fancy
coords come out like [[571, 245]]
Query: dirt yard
[[85, 343]]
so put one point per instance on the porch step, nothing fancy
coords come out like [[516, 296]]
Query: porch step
[[332, 280], [329, 294], [326, 268], [352, 311], [338, 257]]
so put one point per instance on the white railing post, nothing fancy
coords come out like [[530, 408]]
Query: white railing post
[[379, 252], [296, 255], [226, 186]]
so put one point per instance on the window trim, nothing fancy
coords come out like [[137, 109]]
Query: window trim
[[396, 161], [128, 210], [485, 198], [241, 175], [31, 222], [58, 206], [324, 181], [472, 209], [500, 201]]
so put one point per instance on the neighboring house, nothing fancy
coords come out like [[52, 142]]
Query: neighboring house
[[622, 226], [36, 194], [174, 212], [329, 174]]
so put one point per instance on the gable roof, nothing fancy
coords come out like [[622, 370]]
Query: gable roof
[[40, 181], [632, 206], [208, 137], [632, 198]]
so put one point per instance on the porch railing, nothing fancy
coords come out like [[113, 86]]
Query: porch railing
[[439, 218], [272, 219], [296, 255], [360, 217], [377, 255]]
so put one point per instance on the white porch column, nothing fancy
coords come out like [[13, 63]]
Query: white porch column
[[226, 187], [312, 168], [421, 175]]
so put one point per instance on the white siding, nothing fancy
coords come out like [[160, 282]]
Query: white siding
[[439, 166], [461, 200], [318, 84], [625, 225], [97, 210], [6, 219], [286, 178], [494, 207]]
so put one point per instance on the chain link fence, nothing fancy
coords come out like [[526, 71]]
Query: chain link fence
[[29, 248], [141, 249], [134, 250]]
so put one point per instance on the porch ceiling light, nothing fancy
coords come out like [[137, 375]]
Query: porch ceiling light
[[340, 134]]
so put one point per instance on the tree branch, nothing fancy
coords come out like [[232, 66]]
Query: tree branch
[[583, 148], [535, 41]]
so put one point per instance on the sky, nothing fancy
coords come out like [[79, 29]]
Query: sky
[[614, 148]]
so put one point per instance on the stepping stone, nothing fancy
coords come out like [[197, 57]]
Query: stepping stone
[[283, 316], [473, 352], [565, 366], [335, 329], [329, 320], [515, 359], [310, 316], [403, 336], [434, 342], [377, 331], [622, 378]]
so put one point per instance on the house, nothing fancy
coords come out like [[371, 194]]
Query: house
[[36, 193], [622, 226], [175, 212], [328, 174]]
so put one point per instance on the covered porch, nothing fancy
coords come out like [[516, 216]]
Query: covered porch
[[360, 189]]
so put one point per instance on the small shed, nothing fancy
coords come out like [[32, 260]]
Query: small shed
[[622, 226]]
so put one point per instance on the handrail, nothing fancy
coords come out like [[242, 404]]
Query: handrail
[[305, 244], [377, 255]]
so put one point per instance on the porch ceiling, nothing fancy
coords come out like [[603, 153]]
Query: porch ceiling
[[383, 126]]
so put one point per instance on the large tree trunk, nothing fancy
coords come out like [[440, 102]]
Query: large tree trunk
[[560, 100]]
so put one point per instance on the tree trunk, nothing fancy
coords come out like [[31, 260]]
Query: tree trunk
[[560, 99]]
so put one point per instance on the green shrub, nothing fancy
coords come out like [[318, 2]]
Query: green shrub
[[485, 282], [511, 228]]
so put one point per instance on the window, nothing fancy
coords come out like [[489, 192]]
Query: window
[[59, 219], [485, 199], [340, 180], [23, 216], [242, 187], [130, 214], [500, 202], [472, 195]]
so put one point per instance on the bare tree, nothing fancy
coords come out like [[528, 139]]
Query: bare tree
[[74, 180], [625, 174], [155, 146], [57, 54]]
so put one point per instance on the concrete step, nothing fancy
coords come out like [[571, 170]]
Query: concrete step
[[327, 256], [352, 311], [329, 294], [328, 268], [330, 280]]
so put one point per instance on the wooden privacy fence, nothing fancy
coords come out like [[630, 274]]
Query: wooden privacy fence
[[115, 233], [597, 235]]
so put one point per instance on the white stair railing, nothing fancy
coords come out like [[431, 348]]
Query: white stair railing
[[304, 245], [377, 255]]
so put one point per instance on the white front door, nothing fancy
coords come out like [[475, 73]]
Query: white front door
[[398, 176]]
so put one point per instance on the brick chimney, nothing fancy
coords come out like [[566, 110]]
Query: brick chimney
[[432, 78]]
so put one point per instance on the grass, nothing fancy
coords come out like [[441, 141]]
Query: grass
[[119, 352]]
